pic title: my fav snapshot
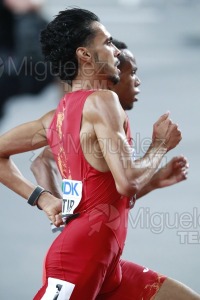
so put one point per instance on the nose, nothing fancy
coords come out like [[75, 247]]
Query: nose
[[117, 52], [137, 81]]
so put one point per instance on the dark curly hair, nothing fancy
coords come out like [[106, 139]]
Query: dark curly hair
[[71, 28], [120, 45]]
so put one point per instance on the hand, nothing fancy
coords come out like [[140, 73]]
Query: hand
[[166, 133], [52, 206], [175, 171]]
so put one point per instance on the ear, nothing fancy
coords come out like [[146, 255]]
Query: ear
[[83, 54]]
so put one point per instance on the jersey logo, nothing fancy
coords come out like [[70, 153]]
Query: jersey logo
[[72, 194]]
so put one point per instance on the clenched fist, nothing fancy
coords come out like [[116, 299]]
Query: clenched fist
[[166, 133]]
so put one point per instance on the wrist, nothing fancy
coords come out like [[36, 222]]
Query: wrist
[[153, 184], [43, 200], [160, 145], [37, 196]]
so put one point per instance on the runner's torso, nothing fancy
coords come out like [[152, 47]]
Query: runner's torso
[[100, 200]]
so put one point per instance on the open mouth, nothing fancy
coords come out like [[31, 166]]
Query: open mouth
[[117, 63], [135, 99], [116, 66]]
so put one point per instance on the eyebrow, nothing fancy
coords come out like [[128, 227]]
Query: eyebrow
[[109, 39]]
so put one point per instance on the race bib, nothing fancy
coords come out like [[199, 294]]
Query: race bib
[[72, 194], [58, 290]]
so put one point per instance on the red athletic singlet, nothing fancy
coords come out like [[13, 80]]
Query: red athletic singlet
[[100, 200], [84, 260]]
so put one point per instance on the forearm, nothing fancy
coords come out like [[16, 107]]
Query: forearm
[[144, 191], [142, 170], [11, 177], [14, 180], [173, 172], [23, 138], [47, 176], [109, 122]]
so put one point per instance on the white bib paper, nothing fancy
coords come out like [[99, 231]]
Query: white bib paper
[[72, 194], [58, 290]]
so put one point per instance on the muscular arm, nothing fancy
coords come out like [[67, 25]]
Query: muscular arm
[[26, 137], [47, 175], [46, 172], [173, 172], [105, 113]]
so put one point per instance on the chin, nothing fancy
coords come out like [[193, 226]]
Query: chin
[[128, 106]]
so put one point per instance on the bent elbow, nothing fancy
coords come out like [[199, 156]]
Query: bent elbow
[[127, 189], [35, 165]]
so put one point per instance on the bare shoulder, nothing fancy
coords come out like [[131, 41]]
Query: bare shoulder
[[104, 104], [47, 118], [104, 99]]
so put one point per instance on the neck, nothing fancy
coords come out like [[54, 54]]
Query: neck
[[80, 84], [84, 81]]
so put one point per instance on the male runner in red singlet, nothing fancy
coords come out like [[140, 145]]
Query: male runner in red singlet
[[143, 282], [44, 166], [89, 138]]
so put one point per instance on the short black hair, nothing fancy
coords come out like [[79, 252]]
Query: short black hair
[[71, 28], [121, 46]]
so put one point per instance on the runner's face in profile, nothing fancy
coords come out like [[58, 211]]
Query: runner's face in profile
[[104, 55], [128, 87]]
